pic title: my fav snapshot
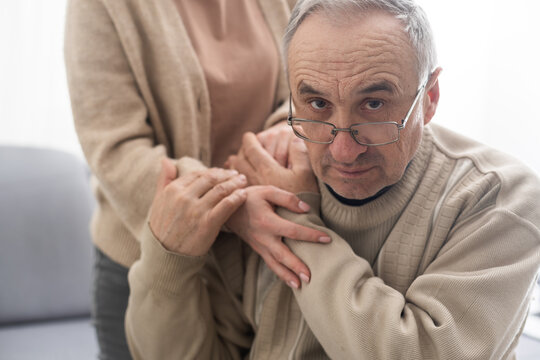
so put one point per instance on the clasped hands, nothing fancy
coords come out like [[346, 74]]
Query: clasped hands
[[189, 211]]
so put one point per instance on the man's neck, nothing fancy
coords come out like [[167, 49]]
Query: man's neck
[[356, 202]]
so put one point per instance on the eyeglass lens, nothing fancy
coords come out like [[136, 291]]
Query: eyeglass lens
[[368, 134]]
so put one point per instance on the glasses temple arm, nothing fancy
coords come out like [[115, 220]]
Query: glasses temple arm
[[406, 118], [289, 117]]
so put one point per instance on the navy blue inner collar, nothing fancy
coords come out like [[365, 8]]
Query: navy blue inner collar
[[356, 202]]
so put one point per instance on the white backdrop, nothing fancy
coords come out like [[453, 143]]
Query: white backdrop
[[489, 52], [34, 103]]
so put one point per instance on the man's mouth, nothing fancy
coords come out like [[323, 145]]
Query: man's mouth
[[347, 172]]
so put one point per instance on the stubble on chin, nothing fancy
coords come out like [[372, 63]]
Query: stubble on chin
[[360, 188]]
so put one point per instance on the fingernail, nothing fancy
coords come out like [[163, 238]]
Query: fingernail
[[302, 205], [293, 284], [233, 171], [304, 278], [325, 239], [242, 178]]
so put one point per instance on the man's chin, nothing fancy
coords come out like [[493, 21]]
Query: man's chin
[[353, 185]]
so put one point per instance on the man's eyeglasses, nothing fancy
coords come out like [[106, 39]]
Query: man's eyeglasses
[[368, 134]]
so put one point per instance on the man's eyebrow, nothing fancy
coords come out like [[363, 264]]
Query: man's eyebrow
[[304, 88], [379, 86]]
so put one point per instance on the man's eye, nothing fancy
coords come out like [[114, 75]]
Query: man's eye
[[373, 104], [318, 104]]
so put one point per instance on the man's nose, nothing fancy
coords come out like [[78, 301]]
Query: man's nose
[[345, 149]]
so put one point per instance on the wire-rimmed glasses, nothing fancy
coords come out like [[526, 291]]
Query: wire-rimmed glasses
[[368, 134]]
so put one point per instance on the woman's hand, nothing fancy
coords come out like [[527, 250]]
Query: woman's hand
[[188, 212], [256, 221]]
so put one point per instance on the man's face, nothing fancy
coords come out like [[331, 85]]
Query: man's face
[[361, 71]]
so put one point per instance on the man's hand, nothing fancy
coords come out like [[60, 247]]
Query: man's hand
[[275, 141], [261, 168], [256, 221], [188, 212]]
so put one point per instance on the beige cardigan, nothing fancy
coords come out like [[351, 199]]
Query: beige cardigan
[[139, 94], [458, 241]]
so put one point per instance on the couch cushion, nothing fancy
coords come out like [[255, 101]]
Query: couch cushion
[[69, 339], [45, 247]]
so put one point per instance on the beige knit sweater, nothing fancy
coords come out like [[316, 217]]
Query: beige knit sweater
[[441, 266], [138, 94]]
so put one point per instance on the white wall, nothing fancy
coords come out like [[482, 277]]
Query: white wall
[[490, 54], [34, 103], [488, 50]]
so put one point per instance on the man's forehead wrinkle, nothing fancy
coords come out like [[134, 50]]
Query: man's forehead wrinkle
[[328, 59], [360, 75], [333, 70], [311, 82], [375, 56], [332, 58], [312, 74], [320, 83]]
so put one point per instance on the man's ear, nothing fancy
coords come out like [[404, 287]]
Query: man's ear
[[431, 99]]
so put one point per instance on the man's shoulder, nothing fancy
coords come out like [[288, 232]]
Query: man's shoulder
[[485, 158], [481, 170]]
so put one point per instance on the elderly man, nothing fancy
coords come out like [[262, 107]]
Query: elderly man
[[435, 239]]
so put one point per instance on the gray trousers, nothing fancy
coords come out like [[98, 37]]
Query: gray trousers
[[110, 299]]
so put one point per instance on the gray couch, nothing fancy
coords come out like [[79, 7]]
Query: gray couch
[[45, 256]]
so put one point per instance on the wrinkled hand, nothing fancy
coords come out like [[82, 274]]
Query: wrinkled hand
[[275, 141], [257, 223], [188, 212], [261, 169]]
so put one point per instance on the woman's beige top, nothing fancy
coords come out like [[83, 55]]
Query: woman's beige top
[[240, 62]]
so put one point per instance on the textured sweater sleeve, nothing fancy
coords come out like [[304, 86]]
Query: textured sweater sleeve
[[470, 302], [180, 309], [110, 114]]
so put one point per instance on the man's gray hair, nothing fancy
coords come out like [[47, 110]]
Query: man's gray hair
[[408, 12]]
